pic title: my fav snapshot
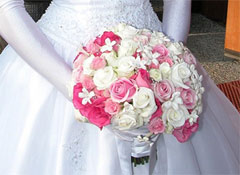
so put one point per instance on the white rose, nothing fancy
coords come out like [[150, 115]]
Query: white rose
[[79, 116], [174, 112], [180, 72], [175, 47], [103, 78], [87, 66], [127, 119], [125, 31], [111, 58], [165, 70], [144, 101], [155, 74], [126, 66], [127, 48]]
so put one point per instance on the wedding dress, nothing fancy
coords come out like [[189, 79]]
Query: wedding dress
[[38, 132]]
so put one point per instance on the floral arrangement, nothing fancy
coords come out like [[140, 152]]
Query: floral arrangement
[[130, 78]]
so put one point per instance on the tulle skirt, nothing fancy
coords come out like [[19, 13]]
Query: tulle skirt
[[40, 136]]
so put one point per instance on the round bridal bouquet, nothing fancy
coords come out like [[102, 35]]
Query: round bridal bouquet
[[130, 78]]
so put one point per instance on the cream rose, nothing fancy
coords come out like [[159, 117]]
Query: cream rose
[[126, 66], [175, 117], [127, 119], [111, 58], [176, 48], [127, 48], [165, 70], [144, 101], [87, 70], [103, 78], [156, 74], [180, 72]]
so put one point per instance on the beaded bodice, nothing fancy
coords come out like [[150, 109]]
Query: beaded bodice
[[78, 21]]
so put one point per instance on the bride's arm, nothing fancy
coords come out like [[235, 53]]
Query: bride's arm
[[176, 19], [23, 34]]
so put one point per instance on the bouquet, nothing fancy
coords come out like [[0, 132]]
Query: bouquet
[[130, 78]]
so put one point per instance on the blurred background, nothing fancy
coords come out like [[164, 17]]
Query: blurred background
[[214, 36]]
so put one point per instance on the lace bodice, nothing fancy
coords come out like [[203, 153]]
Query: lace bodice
[[77, 21]]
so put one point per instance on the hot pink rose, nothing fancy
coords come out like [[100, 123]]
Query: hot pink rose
[[156, 125], [189, 98], [96, 114], [189, 58], [93, 48], [112, 36], [98, 63], [87, 82], [78, 61], [77, 101], [183, 133], [164, 90], [122, 90], [159, 111], [162, 50], [112, 107], [143, 78]]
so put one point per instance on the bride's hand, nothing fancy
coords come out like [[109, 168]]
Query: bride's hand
[[26, 38], [176, 19]]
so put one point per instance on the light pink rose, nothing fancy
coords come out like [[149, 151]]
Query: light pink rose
[[78, 61], [112, 107], [92, 48], [184, 132], [77, 74], [122, 90], [189, 98], [189, 58], [98, 63], [162, 50], [143, 78], [87, 82], [156, 125], [102, 93], [164, 90]]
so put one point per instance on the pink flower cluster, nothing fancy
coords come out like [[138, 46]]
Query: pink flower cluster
[[148, 88]]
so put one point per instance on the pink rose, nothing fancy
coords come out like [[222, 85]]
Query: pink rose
[[93, 48], [162, 50], [112, 107], [87, 82], [164, 90], [102, 93], [166, 59], [98, 63], [78, 61], [156, 125], [189, 98], [77, 101], [159, 111], [183, 133], [189, 58], [143, 78], [122, 90], [153, 66]]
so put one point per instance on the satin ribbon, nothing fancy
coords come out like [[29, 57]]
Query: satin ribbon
[[129, 145]]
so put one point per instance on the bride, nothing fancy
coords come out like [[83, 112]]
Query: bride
[[38, 132]]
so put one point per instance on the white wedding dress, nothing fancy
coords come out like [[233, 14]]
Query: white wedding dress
[[40, 136]]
